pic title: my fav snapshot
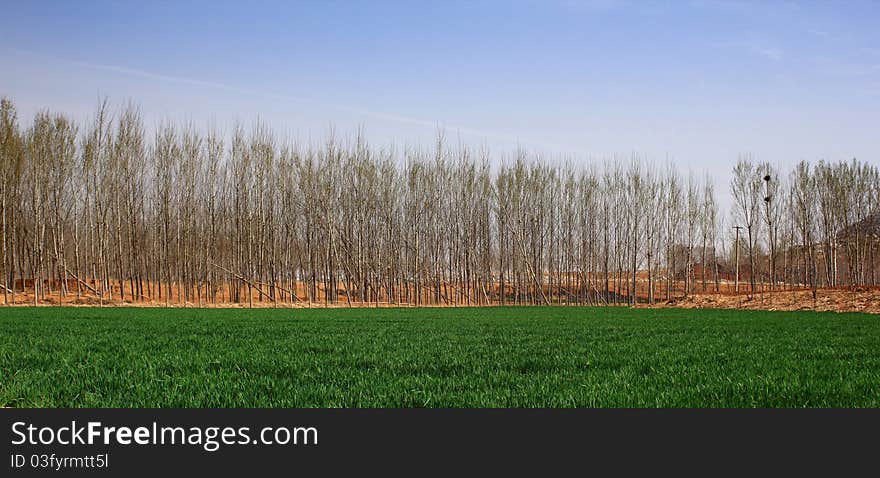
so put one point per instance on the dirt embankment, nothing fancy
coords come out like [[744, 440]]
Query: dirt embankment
[[859, 299]]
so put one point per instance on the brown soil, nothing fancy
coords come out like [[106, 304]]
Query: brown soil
[[859, 299]]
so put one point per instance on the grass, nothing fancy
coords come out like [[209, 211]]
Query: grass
[[468, 357]]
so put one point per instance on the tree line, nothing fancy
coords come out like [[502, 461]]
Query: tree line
[[104, 212]]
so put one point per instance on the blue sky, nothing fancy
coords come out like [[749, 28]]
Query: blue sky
[[698, 82]]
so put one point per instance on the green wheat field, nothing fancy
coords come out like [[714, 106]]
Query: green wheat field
[[437, 357]]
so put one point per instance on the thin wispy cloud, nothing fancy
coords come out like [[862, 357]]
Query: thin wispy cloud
[[774, 54], [746, 7], [592, 6], [858, 68], [378, 115], [724, 5], [754, 46]]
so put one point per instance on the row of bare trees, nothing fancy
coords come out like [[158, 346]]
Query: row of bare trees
[[817, 226], [105, 213]]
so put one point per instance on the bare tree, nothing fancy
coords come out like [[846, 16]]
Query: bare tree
[[746, 190]]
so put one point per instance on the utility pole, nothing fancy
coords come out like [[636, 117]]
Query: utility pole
[[767, 199], [736, 258]]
